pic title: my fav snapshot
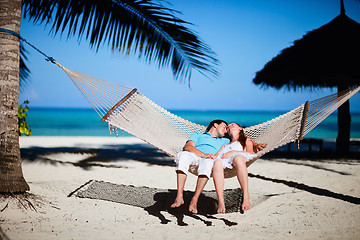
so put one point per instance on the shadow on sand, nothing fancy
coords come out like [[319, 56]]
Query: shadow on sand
[[107, 156], [313, 190]]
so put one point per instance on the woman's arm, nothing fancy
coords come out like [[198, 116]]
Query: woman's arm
[[249, 146], [258, 146]]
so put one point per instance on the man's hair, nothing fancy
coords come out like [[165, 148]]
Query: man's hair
[[212, 123]]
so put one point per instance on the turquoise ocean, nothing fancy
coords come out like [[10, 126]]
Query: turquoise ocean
[[86, 122]]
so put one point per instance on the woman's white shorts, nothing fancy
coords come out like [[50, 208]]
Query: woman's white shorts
[[228, 162]]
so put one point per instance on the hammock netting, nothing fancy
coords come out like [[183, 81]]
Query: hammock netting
[[128, 110]]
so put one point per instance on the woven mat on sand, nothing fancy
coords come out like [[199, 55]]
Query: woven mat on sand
[[156, 199]]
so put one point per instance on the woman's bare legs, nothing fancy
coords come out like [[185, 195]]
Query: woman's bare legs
[[218, 176], [239, 163]]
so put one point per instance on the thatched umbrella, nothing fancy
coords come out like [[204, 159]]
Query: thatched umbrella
[[325, 57]]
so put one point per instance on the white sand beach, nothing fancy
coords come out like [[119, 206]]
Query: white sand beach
[[325, 202]]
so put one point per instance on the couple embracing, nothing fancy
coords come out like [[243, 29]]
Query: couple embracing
[[211, 153]]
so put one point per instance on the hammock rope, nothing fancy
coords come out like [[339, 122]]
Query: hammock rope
[[127, 109], [10, 32]]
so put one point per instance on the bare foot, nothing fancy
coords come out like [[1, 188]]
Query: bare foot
[[221, 208], [178, 202], [193, 206], [246, 204]]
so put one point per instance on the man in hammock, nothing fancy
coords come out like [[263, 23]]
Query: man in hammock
[[199, 150]]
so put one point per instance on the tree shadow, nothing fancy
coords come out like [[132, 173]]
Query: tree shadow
[[313, 190], [106, 156], [311, 165]]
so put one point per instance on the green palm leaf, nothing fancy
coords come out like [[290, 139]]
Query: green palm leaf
[[139, 27], [24, 72]]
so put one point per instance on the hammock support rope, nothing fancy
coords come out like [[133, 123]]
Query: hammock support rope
[[8, 31]]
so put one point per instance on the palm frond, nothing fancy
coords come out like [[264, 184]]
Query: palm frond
[[24, 72], [139, 27]]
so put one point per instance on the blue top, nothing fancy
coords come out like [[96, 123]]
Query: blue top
[[207, 143]]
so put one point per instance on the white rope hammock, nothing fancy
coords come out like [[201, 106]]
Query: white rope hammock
[[127, 109]]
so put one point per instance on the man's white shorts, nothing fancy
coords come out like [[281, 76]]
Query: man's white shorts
[[187, 161]]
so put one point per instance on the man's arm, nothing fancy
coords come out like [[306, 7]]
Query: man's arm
[[190, 147]]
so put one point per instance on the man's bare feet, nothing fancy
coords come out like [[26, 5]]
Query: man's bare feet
[[178, 202], [246, 203], [221, 208], [193, 206]]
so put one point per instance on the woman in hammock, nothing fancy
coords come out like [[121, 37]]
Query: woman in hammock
[[235, 154]]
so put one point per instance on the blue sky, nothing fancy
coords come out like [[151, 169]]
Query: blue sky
[[244, 34]]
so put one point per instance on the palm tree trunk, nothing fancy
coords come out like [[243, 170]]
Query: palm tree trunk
[[11, 176], [344, 123]]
